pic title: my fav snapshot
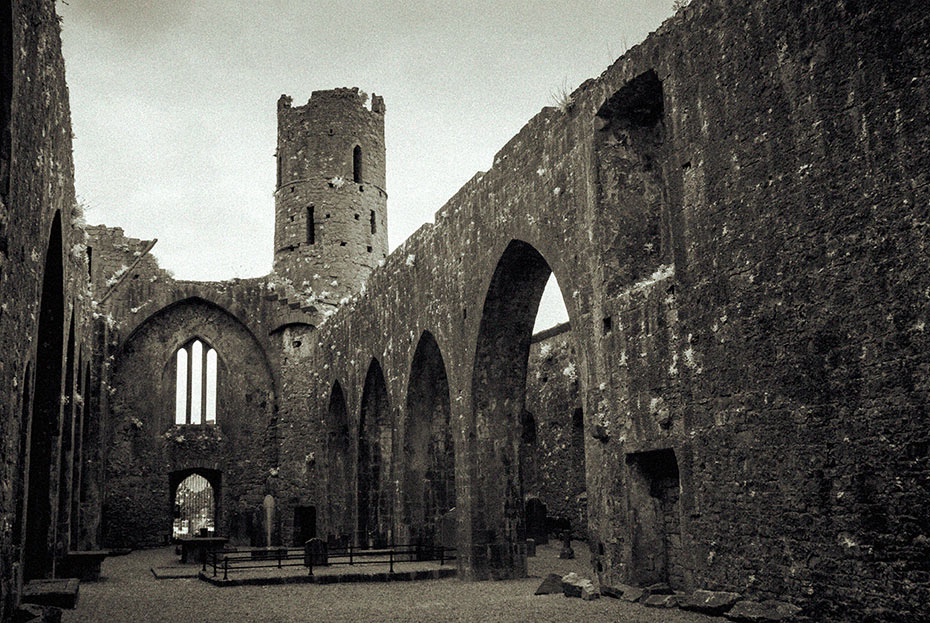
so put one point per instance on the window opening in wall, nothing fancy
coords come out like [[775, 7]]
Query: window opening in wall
[[180, 402], [311, 227], [278, 158], [608, 324], [369, 249], [194, 507], [195, 384], [357, 164], [374, 225], [90, 261], [196, 365]]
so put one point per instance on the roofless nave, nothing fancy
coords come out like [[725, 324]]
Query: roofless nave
[[734, 212]]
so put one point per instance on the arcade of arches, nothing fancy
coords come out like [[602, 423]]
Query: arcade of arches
[[738, 401]]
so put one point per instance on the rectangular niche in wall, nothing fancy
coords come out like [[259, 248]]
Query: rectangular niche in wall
[[655, 518]]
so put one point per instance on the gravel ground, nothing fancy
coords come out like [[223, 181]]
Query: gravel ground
[[130, 592]]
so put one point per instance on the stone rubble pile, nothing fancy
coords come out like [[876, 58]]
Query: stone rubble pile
[[660, 595]]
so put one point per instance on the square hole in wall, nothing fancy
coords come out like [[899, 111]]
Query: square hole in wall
[[607, 325]]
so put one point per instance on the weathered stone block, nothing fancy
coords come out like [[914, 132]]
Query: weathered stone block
[[571, 585], [632, 594], [551, 585], [589, 592], [762, 612], [661, 601], [709, 602]]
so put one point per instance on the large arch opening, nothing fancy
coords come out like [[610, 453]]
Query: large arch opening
[[507, 432], [338, 450], [375, 441], [194, 502], [46, 412], [429, 454]]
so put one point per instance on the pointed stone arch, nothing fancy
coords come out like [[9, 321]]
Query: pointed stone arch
[[498, 402], [46, 414], [375, 446], [339, 466], [428, 451]]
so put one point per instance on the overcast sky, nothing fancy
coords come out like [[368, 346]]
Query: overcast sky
[[173, 103]]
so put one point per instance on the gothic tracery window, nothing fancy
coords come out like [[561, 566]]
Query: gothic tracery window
[[195, 387]]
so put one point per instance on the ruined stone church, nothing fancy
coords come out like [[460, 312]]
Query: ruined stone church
[[738, 214]]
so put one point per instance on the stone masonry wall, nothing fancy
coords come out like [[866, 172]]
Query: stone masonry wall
[[38, 219], [553, 453], [758, 323]]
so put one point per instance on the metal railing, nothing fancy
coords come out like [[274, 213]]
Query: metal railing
[[280, 557]]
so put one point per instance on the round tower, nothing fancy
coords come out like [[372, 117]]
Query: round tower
[[330, 202]]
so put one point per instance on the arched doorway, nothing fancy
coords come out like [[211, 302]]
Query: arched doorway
[[194, 503], [375, 441], [46, 412], [429, 454], [503, 426], [340, 499]]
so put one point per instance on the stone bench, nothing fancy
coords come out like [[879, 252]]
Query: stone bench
[[84, 565], [61, 593]]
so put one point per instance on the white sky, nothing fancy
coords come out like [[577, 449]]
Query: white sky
[[173, 104]]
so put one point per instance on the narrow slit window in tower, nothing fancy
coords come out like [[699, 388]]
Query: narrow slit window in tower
[[374, 225], [311, 227], [357, 164]]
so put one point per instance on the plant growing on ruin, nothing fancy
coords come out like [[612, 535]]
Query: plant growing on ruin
[[562, 99]]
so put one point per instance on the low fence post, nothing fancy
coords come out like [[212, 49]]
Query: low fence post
[[392, 560], [225, 567], [279, 558], [442, 555], [350, 553]]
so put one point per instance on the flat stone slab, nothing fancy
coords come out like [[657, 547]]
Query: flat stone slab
[[175, 573], [61, 593], [762, 612], [709, 602], [401, 576], [550, 586], [662, 601], [632, 594]]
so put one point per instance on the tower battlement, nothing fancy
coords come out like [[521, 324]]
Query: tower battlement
[[330, 197]]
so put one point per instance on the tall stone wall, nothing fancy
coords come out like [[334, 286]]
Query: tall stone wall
[[552, 453], [44, 304], [739, 242]]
